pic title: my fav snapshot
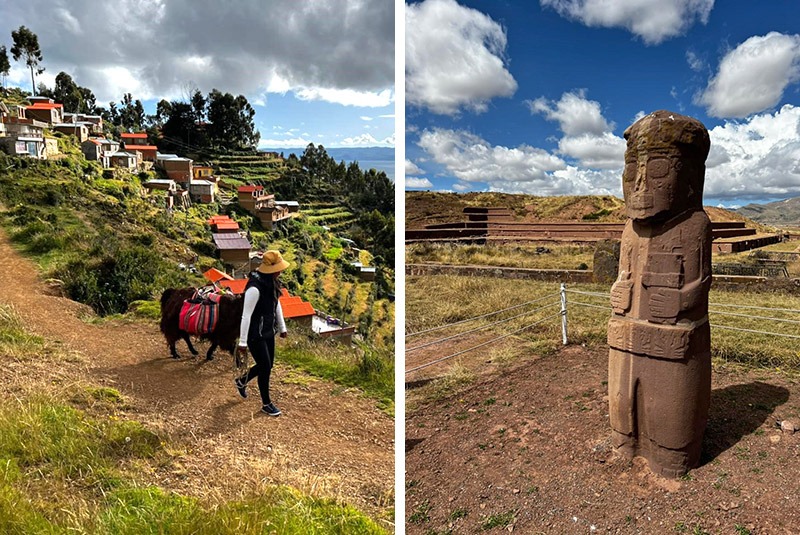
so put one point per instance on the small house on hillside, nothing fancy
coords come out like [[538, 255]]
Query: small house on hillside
[[99, 149], [233, 248], [223, 225], [294, 308], [326, 326], [215, 275], [251, 197], [79, 130], [162, 184], [202, 191], [137, 141], [123, 159], [177, 168], [23, 137], [45, 109], [292, 207], [94, 123]]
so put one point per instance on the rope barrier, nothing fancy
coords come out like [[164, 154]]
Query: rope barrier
[[755, 332], [590, 306], [754, 317], [479, 345], [481, 316], [754, 307], [434, 342], [594, 294]]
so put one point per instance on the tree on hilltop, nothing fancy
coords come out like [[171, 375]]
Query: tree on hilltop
[[5, 65], [76, 99], [26, 46], [231, 121]]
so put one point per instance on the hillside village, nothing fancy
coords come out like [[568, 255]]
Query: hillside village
[[40, 129]]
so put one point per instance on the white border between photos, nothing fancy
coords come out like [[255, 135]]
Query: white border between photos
[[400, 273]]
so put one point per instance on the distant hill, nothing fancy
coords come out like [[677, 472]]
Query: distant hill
[[379, 158], [428, 207], [784, 213]]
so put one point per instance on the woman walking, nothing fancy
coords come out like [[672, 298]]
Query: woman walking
[[262, 319]]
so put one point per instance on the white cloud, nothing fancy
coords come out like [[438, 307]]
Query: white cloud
[[418, 183], [472, 159], [694, 61], [347, 97], [291, 143], [246, 48], [588, 136], [575, 114], [365, 118], [412, 169], [366, 140], [653, 20], [604, 151], [757, 158], [454, 58], [753, 76], [458, 186]]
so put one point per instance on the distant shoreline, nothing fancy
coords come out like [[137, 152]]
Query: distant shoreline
[[379, 158]]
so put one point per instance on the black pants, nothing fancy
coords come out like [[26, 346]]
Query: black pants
[[263, 351]]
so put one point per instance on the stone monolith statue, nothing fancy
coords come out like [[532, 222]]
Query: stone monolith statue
[[659, 362]]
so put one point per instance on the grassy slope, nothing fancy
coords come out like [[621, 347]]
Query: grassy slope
[[66, 211], [69, 464], [424, 208]]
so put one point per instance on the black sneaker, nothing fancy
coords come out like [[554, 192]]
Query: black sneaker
[[241, 386], [271, 409]]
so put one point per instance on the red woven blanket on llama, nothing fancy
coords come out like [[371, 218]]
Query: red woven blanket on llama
[[199, 315]]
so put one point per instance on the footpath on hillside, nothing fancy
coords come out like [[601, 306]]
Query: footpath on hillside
[[329, 442]]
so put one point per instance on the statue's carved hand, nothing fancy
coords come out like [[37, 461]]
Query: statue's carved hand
[[621, 296], [665, 303]]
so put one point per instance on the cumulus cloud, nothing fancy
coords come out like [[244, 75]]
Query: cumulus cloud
[[454, 58], [290, 143], [575, 114], [588, 136], [654, 21], [757, 158], [418, 183], [241, 47], [472, 159], [753, 76], [412, 168], [366, 140]]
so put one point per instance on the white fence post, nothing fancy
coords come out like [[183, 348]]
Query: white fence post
[[564, 313]]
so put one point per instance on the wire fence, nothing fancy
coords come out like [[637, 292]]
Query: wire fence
[[563, 299]]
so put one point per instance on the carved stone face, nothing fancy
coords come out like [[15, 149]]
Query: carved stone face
[[664, 165]]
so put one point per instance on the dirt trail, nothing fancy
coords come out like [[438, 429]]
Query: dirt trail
[[527, 448], [329, 441]]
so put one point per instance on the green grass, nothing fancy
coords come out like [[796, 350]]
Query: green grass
[[150, 510], [433, 301], [66, 470], [519, 256], [370, 370], [15, 341]]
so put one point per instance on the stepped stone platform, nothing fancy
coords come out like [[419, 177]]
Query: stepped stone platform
[[497, 225]]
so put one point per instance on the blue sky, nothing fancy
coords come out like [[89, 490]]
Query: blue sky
[[320, 72], [533, 97]]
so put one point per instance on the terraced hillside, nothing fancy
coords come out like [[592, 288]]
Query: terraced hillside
[[248, 167], [333, 216]]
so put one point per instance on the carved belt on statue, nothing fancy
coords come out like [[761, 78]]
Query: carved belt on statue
[[651, 340]]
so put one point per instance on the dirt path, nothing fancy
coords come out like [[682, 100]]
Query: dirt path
[[328, 442], [527, 449]]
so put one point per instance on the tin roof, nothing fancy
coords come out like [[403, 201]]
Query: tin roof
[[230, 241]]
